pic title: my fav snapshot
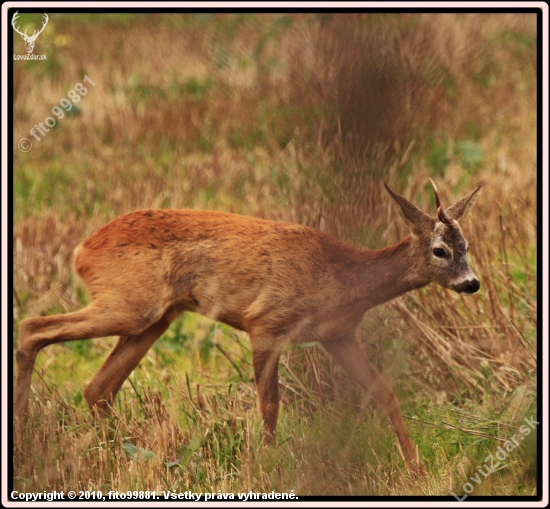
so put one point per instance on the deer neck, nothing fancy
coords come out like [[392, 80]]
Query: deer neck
[[385, 274]]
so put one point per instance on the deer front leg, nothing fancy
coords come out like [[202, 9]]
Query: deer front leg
[[266, 363], [350, 356]]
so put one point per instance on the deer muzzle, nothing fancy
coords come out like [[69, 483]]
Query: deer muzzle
[[467, 287]]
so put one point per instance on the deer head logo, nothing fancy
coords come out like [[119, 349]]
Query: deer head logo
[[29, 39]]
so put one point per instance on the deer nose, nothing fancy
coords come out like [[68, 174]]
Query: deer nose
[[468, 287]]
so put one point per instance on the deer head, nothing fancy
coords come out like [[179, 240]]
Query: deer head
[[29, 39], [438, 242]]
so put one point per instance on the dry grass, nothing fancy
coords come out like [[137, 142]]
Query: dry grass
[[301, 118]]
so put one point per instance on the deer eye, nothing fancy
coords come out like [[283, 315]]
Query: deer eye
[[440, 253]]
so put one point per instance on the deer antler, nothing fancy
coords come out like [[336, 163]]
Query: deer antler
[[444, 218], [35, 33], [24, 35]]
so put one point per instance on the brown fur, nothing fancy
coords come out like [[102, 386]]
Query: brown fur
[[280, 282]]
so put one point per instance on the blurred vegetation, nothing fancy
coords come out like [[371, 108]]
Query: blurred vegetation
[[296, 117]]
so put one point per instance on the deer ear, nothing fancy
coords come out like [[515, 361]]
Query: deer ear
[[417, 221], [461, 207]]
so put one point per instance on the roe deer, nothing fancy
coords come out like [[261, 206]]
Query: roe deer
[[280, 282]]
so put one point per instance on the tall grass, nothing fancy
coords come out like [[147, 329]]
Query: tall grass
[[299, 118]]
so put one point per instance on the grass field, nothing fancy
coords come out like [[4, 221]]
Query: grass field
[[295, 117]]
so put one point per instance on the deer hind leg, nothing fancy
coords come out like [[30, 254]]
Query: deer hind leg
[[266, 366], [94, 321], [125, 356], [349, 355]]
